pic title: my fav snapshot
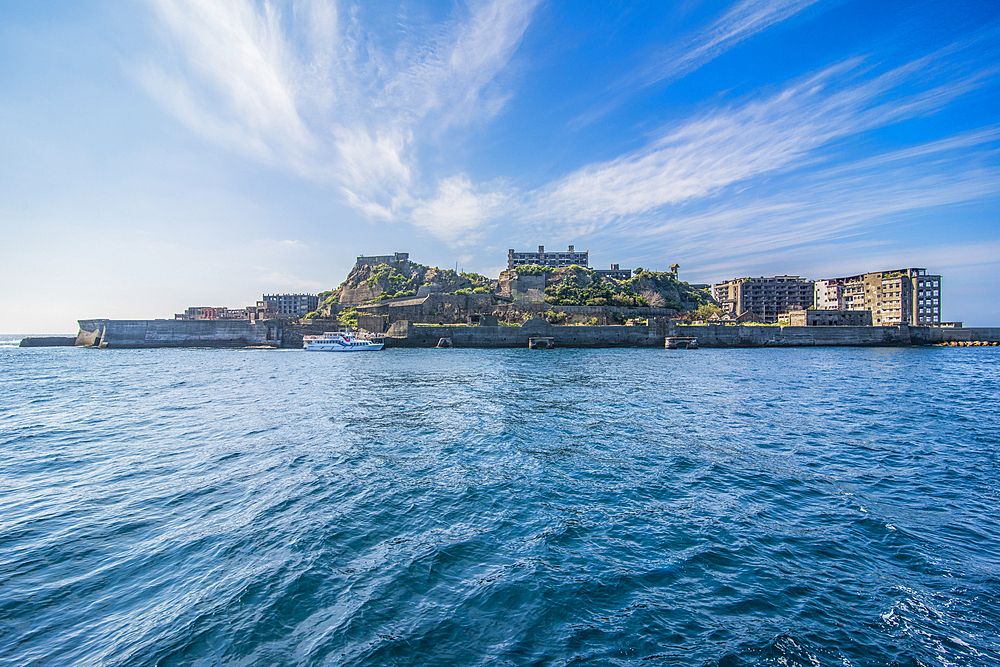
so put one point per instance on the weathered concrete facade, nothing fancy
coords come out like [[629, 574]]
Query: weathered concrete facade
[[220, 333], [405, 334], [897, 296], [815, 317], [177, 333], [47, 341], [542, 258], [767, 298]]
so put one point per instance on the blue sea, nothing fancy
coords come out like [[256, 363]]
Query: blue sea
[[500, 507]]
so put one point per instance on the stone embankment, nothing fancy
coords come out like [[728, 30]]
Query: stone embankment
[[176, 333], [406, 334], [47, 341], [222, 333]]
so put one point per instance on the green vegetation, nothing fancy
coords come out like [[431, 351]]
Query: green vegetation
[[481, 289], [555, 317], [564, 286], [397, 280], [385, 296], [580, 289], [577, 286], [348, 316], [393, 282], [705, 311], [531, 270], [327, 305]]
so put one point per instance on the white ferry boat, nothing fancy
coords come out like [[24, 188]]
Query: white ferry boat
[[338, 341]]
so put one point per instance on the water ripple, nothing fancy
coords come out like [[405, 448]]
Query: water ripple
[[475, 507]]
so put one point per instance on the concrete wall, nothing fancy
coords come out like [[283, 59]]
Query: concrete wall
[[774, 336], [224, 333], [956, 335], [405, 334], [47, 341], [373, 323], [176, 333], [815, 317]]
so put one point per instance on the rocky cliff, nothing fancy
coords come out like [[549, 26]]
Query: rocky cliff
[[367, 284]]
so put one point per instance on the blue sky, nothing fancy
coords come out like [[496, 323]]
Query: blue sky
[[159, 154]]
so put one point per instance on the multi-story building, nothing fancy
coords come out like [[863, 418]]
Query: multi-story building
[[375, 260], [203, 313], [764, 297], [829, 295], [553, 259], [897, 296], [212, 313], [264, 310], [292, 304], [830, 318], [615, 272]]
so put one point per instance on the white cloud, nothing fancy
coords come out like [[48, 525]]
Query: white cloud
[[744, 20], [828, 219], [741, 22], [737, 146], [458, 211], [309, 88], [233, 78]]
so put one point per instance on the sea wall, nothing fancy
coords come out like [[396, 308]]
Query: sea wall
[[47, 341], [788, 336], [406, 334], [228, 333], [937, 335], [177, 333]]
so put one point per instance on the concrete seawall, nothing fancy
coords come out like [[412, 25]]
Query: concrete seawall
[[233, 333], [405, 334], [176, 333], [47, 341]]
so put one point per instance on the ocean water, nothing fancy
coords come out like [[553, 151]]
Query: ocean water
[[500, 507]]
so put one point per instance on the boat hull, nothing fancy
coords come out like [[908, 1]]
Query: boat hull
[[339, 347]]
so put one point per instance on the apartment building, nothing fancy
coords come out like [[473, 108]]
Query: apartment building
[[553, 259], [766, 298], [615, 272], [375, 260], [830, 318], [292, 304], [212, 313], [897, 296]]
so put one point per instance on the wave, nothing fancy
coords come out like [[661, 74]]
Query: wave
[[13, 340]]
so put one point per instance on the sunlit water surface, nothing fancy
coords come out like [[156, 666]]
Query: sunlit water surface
[[489, 507]]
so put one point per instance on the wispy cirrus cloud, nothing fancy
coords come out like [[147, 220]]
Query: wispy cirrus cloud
[[304, 85], [233, 77], [744, 20], [738, 145], [681, 57], [838, 202]]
